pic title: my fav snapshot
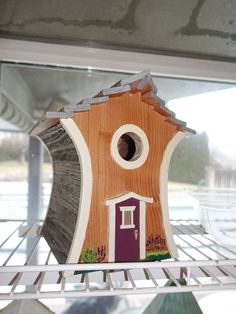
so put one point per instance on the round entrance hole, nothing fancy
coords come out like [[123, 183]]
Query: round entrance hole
[[129, 146]]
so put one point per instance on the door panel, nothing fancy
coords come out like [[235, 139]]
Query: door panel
[[127, 233]]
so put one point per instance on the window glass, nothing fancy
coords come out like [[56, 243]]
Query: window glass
[[28, 91], [202, 167]]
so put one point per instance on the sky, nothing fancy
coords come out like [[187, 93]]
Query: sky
[[214, 113]]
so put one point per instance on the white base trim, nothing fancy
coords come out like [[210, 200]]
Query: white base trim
[[164, 191]]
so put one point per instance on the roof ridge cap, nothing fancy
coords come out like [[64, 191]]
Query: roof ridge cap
[[136, 77]]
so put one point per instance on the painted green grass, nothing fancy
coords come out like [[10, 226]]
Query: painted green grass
[[154, 255]]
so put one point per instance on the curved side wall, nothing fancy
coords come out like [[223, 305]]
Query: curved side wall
[[60, 222], [86, 188], [164, 191]]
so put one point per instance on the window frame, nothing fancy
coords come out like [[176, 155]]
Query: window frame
[[32, 52], [124, 210], [144, 151]]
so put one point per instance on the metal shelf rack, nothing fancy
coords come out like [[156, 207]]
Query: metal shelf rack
[[29, 271]]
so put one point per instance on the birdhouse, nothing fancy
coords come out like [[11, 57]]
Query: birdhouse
[[110, 156]]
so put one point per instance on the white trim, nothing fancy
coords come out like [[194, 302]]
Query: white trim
[[125, 196], [115, 60], [131, 164], [86, 188], [124, 209], [142, 230], [112, 233], [164, 191], [112, 222]]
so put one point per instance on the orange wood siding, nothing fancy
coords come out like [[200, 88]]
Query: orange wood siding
[[109, 179]]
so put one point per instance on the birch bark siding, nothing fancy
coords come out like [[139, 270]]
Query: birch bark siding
[[59, 227]]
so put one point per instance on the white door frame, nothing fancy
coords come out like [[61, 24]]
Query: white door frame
[[112, 222]]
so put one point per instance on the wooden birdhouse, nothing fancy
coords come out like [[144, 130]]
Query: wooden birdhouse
[[110, 156]]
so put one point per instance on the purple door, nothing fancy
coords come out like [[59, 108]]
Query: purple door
[[127, 231]]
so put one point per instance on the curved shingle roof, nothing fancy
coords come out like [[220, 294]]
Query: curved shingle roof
[[141, 82]]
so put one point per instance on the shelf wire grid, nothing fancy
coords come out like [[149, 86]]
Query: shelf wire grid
[[29, 269]]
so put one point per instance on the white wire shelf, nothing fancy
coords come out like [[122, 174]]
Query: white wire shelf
[[29, 270]]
